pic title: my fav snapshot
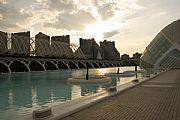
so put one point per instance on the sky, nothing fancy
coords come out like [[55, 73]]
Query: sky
[[132, 24]]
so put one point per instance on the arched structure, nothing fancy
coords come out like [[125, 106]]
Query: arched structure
[[72, 65], [89, 65], [36, 66], [50, 66], [95, 65], [164, 50], [62, 65], [18, 66], [81, 65], [4, 68]]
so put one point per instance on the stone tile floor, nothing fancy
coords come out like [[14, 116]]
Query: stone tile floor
[[156, 99]]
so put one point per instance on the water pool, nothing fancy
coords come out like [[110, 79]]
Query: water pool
[[21, 93]]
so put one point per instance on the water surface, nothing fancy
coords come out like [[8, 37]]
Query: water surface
[[21, 93]]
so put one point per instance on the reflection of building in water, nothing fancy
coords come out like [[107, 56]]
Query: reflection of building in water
[[6, 93], [52, 89], [75, 91], [88, 89], [79, 73], [10, 100], [114, 81], [118, 81], [99, 88], [21, 95], [18, 95], [5, 98], [34, 97]]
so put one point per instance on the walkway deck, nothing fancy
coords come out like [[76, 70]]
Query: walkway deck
[[156, 99]]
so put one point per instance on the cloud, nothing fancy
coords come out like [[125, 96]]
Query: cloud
[[110, 34], [10, 27], [161, 13], [106, 10], [3, 1], [63, 6], [69, 16], [38, 1], [24, 14], [71, 21], [62, 14], [11, 17], [1, 17]]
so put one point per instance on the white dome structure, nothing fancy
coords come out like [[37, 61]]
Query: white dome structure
[[164, 50]]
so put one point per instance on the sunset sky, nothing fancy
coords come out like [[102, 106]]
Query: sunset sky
[[132, 24]]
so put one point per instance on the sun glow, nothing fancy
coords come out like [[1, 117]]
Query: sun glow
[[96, 30]]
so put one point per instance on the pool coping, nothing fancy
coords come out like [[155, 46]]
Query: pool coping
[[79, 104]]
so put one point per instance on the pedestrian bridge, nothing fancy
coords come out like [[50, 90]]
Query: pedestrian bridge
[[27, 64]]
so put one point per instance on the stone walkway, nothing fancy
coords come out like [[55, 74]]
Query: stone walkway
[[156, 99]]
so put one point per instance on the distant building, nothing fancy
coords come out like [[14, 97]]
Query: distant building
[[136, 55], [124, 57], [3, 43], [20, 43], [109, 52], [90, 48], [60, 46], [42, 45]]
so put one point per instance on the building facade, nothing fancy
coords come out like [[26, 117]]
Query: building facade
[[164, 50], [60, 46], [42, 45], [90, 48], [3, 43], [20, 43], [109, 52]]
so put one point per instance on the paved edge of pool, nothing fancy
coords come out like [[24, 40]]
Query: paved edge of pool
[[70, 107]]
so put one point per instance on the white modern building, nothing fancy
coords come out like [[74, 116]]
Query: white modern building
[[164, 50]]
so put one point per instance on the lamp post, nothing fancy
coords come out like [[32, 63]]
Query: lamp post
[[87, 74], [118, 71]]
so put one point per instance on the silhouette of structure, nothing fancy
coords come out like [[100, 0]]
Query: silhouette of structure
[[109, 52], [164, 50], [60, 46], [20, 43], [20, 53], [42, 45], [124, 57], [78, 53], [136, 56], [64, 38], [90, 48], [3, 43]]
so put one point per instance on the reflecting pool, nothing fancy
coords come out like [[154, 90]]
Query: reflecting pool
[[21, 93]]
